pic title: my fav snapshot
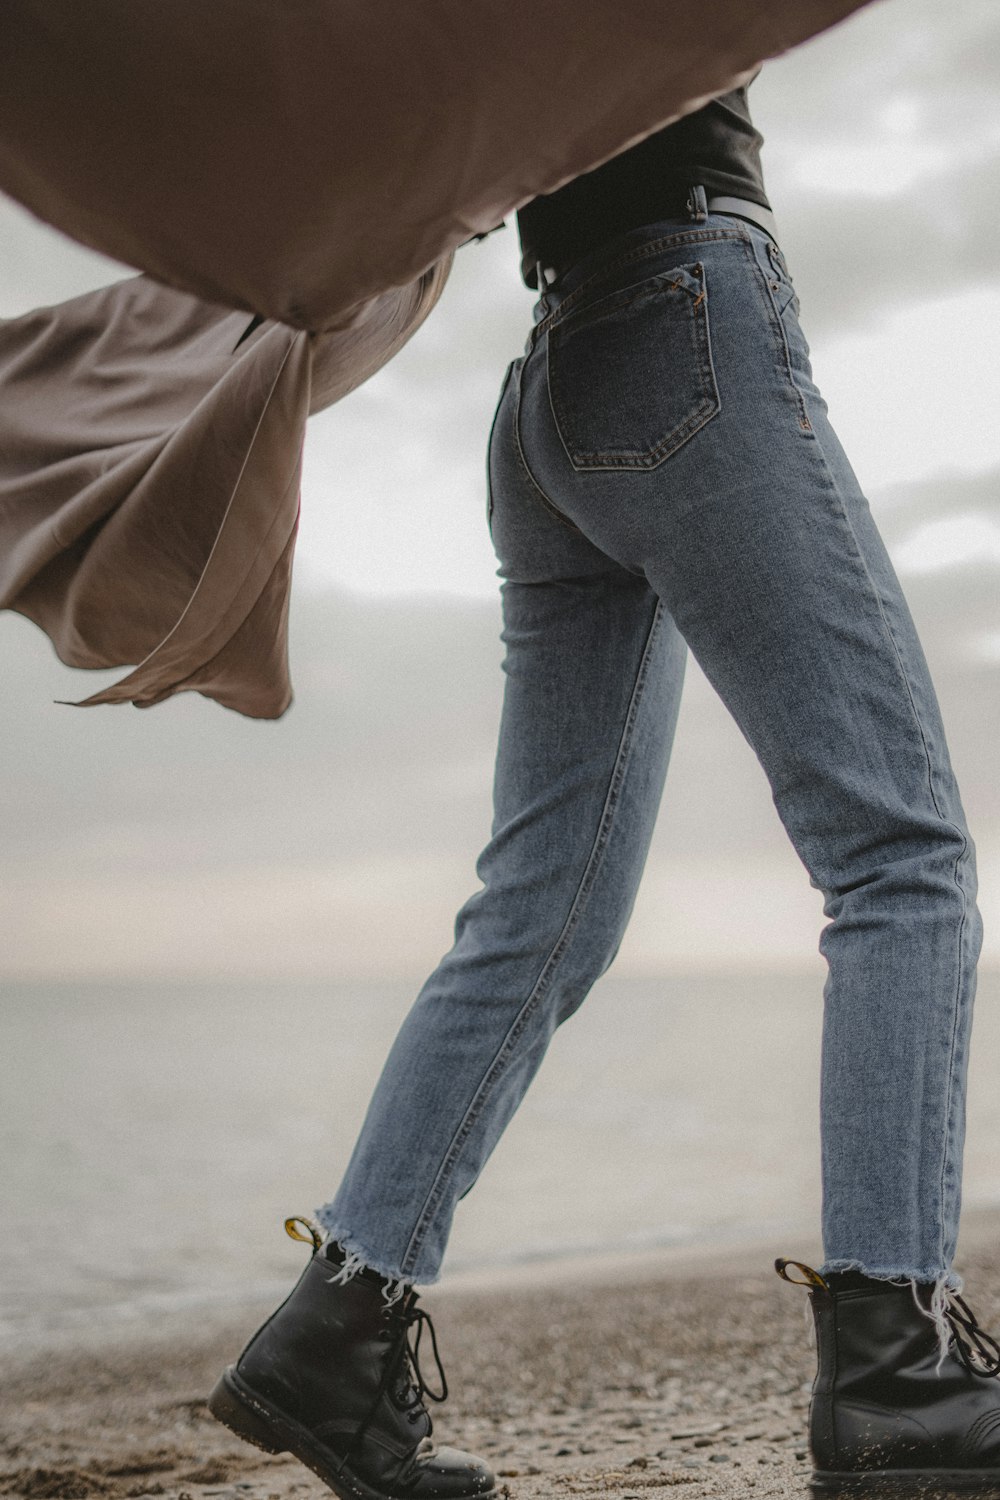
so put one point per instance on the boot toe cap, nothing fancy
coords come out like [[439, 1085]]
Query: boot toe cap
[[450, 1474]]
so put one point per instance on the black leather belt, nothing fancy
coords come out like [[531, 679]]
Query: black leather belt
[[743, 208]]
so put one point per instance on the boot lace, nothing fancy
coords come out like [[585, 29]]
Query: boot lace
[[405, 1357], [402, 1376], [978, 1350]]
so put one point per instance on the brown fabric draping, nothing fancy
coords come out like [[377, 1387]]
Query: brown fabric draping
[[311, 161], [297, 158], [149, 480]]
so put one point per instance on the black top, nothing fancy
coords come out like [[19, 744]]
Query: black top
[[717, 147]]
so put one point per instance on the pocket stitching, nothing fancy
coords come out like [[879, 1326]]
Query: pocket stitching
[[783, 280], [648, 250], [709, 405]]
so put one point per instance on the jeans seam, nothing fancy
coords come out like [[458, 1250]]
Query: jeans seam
[[946, 822], [946, 1146], [781, 338], [549, 505], [489, 444], [543, 982]]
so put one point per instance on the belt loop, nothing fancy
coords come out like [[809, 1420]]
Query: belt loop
[[542, 308], [697, 205]]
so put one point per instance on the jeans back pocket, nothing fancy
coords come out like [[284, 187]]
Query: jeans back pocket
[[630, 374]]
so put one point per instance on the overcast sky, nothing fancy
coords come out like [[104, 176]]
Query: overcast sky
[[188, 841]]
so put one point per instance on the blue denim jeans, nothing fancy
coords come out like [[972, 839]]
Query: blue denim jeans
[[663, 475]]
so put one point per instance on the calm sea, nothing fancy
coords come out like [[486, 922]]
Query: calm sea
[[153, 1137]]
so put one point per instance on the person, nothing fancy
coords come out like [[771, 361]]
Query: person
[[663, 476]]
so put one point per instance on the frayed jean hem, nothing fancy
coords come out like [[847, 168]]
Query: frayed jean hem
[[946, 1278], [360, 1258], [943, 1282]]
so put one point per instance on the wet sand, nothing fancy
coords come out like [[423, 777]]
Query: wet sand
[[627, 1381]]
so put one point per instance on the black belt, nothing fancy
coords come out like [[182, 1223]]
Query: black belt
[[743, 208]]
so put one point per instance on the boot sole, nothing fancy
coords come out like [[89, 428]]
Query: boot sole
[[903, 1482], [256, 1421]]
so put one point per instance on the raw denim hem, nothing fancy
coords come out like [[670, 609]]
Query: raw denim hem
[[363, 1257], [944, 1277], [936, 1311]]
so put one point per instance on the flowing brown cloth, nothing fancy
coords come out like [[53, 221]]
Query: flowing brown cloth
[[313, 162], [296, 157], [149, 480]]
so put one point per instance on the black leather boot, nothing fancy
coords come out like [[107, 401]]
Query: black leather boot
[[333, 1378], [889, 1414]]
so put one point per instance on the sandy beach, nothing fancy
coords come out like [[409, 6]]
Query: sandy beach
[[624, 1381]]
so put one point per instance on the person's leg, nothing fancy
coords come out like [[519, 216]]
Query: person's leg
[[594, 667], [667, 409], [593, 678]]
